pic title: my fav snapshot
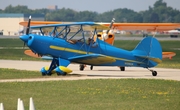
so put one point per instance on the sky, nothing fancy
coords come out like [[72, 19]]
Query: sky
[[99, 6]]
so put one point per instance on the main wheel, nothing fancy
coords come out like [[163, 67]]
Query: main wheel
[[44, 74], [154, 73], [81, 67], [122, 68], [63, 74]]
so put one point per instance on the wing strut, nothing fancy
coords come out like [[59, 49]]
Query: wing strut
[[91, 41], [155, 31]]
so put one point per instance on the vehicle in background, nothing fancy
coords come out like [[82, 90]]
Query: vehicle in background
[[1, 32], [173, 33]]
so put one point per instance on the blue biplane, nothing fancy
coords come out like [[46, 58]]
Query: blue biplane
[[69, 43]]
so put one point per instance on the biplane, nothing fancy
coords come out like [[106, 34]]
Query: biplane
[[109, 36], [67, 45]]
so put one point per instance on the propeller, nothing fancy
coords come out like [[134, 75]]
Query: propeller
[[110, 25], [27, 29], [105, 35], [28, 26]]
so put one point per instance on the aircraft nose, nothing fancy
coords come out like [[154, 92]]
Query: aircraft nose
[[24, 38]]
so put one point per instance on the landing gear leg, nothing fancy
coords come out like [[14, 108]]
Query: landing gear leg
[[154, 73], [53, 65], [81, 67], [91, 67], [122, 68]]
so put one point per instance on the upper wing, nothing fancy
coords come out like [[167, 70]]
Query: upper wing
[[120, 26], [86, 25], [144, 26], [92, 59], [34, 23]]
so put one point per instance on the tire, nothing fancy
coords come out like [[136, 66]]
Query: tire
[[122, 68], [154, 73], [81, 67]]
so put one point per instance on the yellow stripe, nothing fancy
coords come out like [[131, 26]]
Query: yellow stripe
[[126, 60], [67, 49], [83, 52], [157, 60], [99, 60]]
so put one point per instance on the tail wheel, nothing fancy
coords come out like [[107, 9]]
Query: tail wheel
[[81, 67], [122, 68], [154, 73]]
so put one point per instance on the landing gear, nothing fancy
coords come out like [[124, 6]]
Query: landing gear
[[91, 67], [45, 74], [122, 68], [81, 67], [154, 73], [63, 74], [55, 67]]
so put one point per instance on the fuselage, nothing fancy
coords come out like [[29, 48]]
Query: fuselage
[[61, 48]]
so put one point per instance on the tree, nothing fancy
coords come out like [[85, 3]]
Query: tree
[[160, 3], [158, 13], [154, 18]]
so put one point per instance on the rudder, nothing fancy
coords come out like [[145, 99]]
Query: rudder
[[150, 49]]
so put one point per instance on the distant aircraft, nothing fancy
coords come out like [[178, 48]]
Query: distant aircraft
[[70, 48], [173, 33]]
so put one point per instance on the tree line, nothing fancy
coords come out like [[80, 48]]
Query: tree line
[[160, 12]]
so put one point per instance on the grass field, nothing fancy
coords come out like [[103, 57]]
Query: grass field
[[99, 94]]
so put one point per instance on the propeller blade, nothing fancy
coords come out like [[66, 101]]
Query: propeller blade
[[24, 45], [28, 26], [110, 25]]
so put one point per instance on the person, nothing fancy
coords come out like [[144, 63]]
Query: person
[[92, 43], [89, 41]]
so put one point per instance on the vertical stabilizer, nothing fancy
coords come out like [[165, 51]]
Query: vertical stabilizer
[[150, 50]]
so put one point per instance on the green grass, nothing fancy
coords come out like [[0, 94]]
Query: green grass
[[99, 94], [15, 54], [11, 42], [6, 73]]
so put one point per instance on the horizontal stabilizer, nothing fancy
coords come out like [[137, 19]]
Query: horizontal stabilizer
[[157, 60], [92, 59], [168, 54]]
